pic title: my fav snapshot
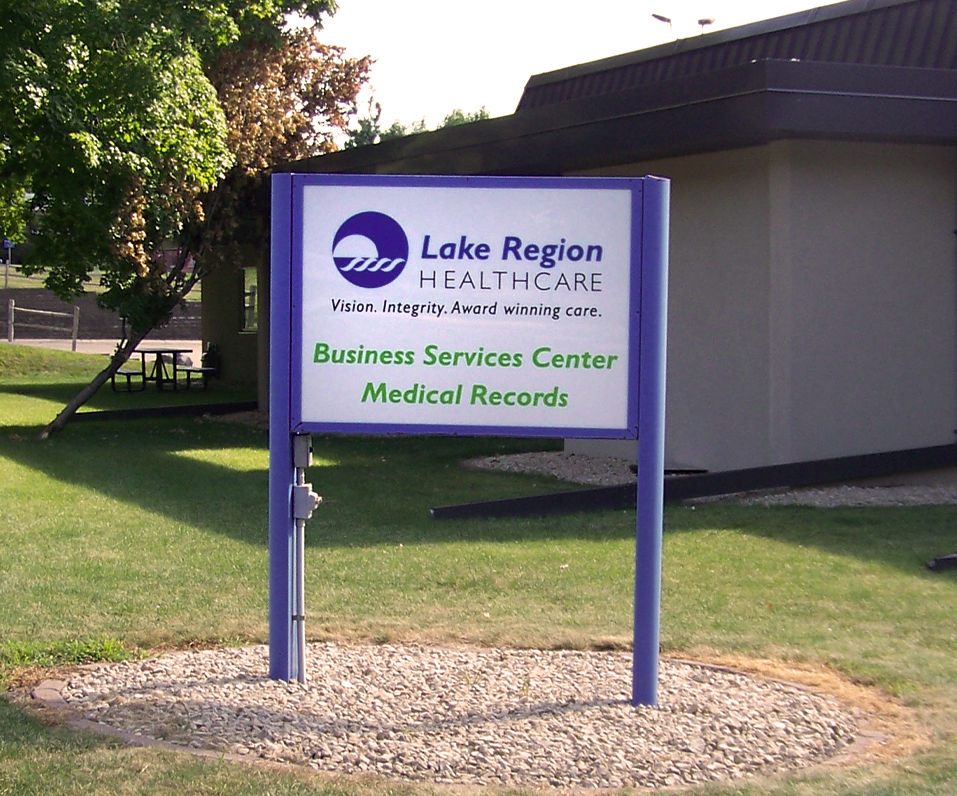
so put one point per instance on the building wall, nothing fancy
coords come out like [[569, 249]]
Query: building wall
[[812, 302], [222, 324], [717, 385], [872, 273]]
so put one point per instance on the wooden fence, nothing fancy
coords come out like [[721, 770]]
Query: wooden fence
[[12, 310]]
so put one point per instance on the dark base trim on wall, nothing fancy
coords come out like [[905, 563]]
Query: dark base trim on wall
[[686, 487]]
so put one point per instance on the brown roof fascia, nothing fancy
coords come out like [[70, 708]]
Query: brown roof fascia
[[725, 109]]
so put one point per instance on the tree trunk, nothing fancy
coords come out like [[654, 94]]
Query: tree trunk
[[116, 362]]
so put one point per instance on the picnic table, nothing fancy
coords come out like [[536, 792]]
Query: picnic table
[[165, 363], [162, 368]]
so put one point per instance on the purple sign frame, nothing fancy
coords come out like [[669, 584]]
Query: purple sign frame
[[293, 406]]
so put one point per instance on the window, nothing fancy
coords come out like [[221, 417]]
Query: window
[[250, 319]]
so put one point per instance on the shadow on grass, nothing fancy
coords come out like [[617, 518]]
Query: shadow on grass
[[106, 399], [378, 490], [375, 489], [24, 737], [904, 538]]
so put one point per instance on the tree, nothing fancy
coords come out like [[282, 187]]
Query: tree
[[127, 125], [370, 130], [458, 116]]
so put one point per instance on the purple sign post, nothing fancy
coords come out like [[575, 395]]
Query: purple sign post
[[465, 305]]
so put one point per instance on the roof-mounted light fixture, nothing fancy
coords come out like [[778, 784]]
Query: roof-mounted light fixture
[[661, 18]]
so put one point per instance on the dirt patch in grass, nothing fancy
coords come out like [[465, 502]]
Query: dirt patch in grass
[[889, 729]]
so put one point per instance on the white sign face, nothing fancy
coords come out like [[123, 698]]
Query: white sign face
[[467, 305]]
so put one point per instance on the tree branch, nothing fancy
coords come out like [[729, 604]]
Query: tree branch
[[117, 361]]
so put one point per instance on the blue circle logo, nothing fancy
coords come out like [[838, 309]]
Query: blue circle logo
[[370, 249]]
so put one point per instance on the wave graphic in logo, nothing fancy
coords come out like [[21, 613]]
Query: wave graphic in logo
[[370, 249]]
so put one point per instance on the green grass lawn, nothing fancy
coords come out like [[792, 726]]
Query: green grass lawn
[[121, 537], [12, 278]]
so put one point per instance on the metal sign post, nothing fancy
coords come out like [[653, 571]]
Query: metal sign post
[[8, 245], [651, 444], [482, 305]]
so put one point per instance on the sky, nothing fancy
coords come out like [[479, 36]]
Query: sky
[[433, 56]]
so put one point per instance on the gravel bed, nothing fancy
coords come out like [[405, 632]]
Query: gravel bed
[[828, 497], [577, 468], [468, 716], [608, 471]]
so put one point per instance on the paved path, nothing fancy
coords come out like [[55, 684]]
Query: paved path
[[108, 346]]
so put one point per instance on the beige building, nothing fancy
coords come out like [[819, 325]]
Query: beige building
[[812, 301], [813, 273]]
